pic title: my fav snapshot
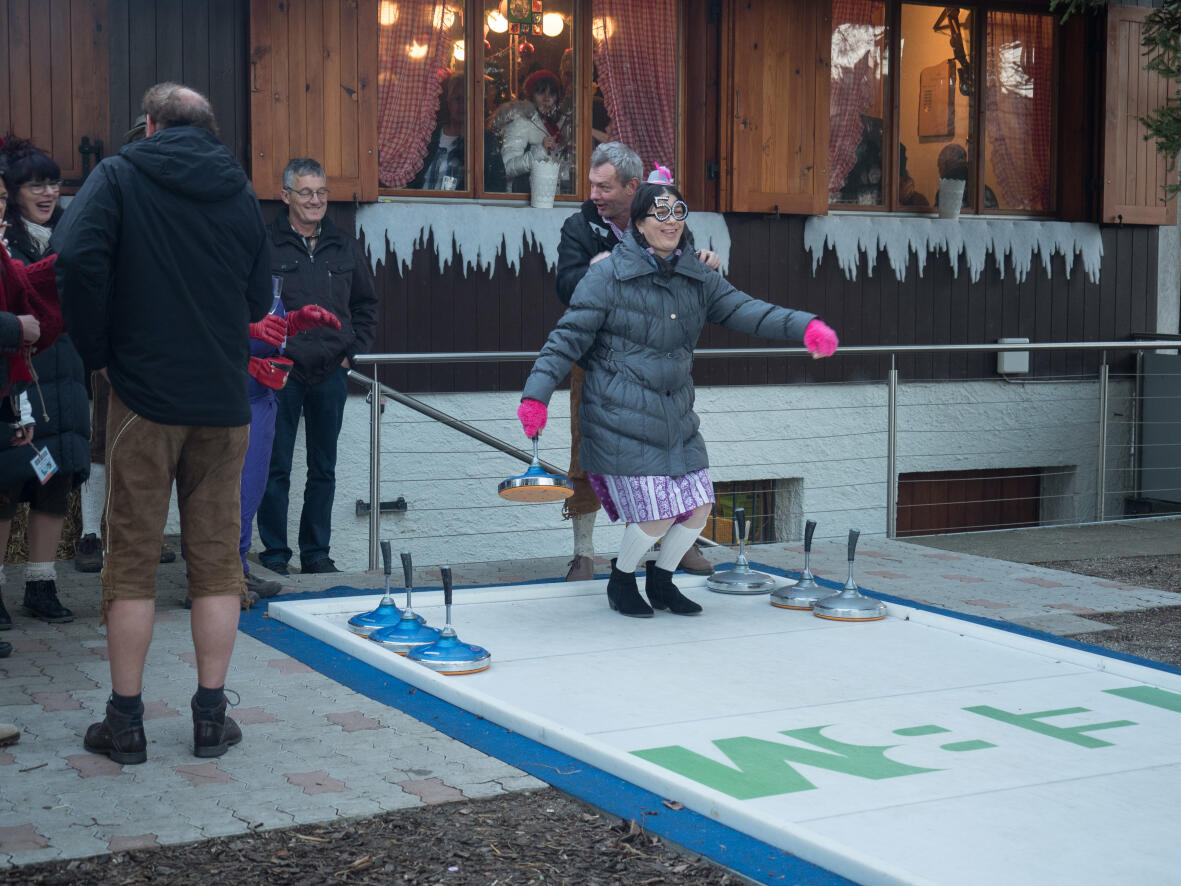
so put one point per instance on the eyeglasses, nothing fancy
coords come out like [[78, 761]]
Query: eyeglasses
[[665, 209], [43, 187], [308, 193]]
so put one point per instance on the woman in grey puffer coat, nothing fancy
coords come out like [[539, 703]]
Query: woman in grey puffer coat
[[632, 323]]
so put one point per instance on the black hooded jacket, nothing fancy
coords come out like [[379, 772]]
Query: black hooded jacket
[[163, 261]]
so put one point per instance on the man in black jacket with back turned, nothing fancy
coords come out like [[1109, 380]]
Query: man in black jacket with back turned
[[320, 265], [163, 262]]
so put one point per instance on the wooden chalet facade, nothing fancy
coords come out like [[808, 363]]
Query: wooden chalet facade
[[298, 77]]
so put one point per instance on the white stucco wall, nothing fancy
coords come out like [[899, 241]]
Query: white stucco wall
[[831, 437]]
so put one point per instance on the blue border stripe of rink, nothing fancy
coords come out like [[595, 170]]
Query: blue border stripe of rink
[[725, 846]]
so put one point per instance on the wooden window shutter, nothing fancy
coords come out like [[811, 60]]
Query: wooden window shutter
[[1134, 172], [775, 71], [54, 81], [313, 93]]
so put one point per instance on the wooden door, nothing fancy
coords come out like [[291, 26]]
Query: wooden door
[[54, 79]]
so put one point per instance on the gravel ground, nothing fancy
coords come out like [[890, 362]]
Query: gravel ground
[[525, 838], [1149, 633]]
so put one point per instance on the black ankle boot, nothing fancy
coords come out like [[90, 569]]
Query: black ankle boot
[[5, 618], [119, 736], [41, 600], [663, 594], [213, 732], [624, 597]]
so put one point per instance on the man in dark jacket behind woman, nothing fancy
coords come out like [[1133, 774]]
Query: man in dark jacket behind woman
[[320, 265], [163, 262]]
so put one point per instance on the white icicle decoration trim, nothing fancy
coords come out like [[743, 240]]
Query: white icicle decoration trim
[[475, 235], [850, 236]]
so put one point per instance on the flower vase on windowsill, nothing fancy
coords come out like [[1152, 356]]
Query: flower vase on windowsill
[[951, 197], [543, 183]]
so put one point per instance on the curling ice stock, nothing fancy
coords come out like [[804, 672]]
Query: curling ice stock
[[805, 592], [410, 630], [387, 614], [741, 579], [536, 484]]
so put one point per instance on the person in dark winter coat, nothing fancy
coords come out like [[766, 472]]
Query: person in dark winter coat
[[20, 330], [633, 322], [163, 262], [59, 402], [320, 265]]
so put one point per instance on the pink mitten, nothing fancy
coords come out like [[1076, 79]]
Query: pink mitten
[[532, 414], [820, 339]]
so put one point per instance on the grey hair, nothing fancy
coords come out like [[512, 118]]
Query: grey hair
[[627, 162], [301, 166]]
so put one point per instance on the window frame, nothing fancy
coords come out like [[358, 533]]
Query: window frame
[[583, 71], [891, 110]]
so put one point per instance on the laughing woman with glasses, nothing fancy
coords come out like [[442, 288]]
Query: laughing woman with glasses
[[59, 402], [632, 324]]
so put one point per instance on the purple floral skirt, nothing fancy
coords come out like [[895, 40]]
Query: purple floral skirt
[[640, 499]]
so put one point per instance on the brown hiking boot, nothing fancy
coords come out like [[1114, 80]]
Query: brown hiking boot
[[694, 562], [213, 732], [581, 569]]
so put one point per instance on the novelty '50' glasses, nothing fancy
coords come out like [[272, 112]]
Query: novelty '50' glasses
[[666, 209]]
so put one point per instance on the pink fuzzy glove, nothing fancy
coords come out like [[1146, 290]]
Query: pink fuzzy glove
[[820, 339], [532, 414]]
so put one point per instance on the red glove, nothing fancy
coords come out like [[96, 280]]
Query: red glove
[[310, 317], [533, 414], [270, 372], [270, 329], [820, 339]]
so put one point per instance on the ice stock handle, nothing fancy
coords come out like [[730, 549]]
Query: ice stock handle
[[445, 574], [408, 569], [809, 529], [385, 556], [854, 534], [740, 523]]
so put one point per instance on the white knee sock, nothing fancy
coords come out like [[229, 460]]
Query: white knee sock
[[94, 493], [584, 531], [635, 544], [675, 543], [40, 571]]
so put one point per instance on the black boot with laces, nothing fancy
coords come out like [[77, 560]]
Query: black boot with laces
[[41, 601]]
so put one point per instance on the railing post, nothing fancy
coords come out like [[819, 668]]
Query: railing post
[[1101, 465], [374, 469], [892, 453]]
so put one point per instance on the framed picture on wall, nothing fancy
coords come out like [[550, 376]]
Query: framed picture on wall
[[937, 101]]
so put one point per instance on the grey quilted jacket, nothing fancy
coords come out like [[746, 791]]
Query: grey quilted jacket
[[636, 330]]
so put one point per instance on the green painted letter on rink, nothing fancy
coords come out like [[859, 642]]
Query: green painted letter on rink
[[764, 768]]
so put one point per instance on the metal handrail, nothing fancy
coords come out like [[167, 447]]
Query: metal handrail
[[377, 389], [852, 350]]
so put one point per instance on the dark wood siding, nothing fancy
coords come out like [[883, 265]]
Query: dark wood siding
[[428, 311], [201, 43]]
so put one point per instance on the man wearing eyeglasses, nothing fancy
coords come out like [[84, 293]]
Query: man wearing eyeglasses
[[320, 265]]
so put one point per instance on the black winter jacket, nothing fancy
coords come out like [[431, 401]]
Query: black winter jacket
[[335, 276], [635, 330], [61, 408], [163, 261], [584, 235]]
